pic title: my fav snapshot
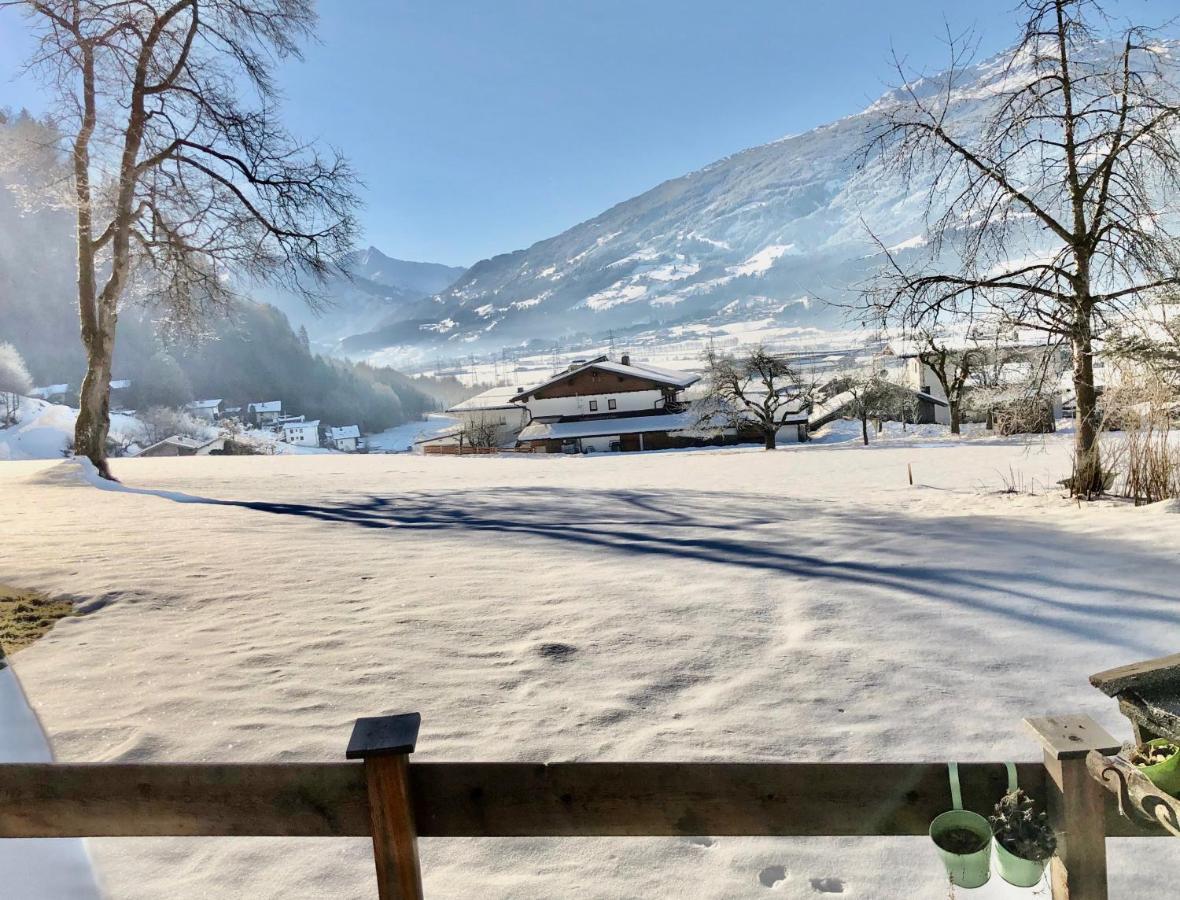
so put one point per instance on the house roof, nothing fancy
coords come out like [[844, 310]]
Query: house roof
[[344, 432], [315, 423], [49, 390], [120, 383], [495, 398], [669, 377], [267, 406], [537, 431], [179, 440], [201, 404]]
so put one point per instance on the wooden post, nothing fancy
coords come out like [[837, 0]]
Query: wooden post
[[385, 744], [1076, 804]]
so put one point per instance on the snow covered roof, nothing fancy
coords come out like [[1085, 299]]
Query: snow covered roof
[[636, 370], [344, 432], [495, 398], [315, 423], [49, 390], [177, 440], [120, 384], [200, 404], [537, 431], [268, 406]]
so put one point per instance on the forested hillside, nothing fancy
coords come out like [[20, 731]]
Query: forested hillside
[[249, 355]]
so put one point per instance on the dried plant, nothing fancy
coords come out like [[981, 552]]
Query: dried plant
[[1021, 830]]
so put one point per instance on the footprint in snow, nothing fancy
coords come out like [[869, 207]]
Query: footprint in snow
[[772, 875], [827, 885], [557, 652]]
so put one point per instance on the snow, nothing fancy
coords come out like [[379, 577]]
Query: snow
[[724, 604], [761, 261], [36, 868], [44, 430], [401, 438]]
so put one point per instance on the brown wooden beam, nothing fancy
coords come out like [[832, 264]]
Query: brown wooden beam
[[1076, 803], [385, 744], [495, 799]]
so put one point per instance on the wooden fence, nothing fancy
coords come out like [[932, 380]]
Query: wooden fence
[[395, 801], [468, 450]]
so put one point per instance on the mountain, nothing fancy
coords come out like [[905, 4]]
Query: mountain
[[776, 231], [379, 290]]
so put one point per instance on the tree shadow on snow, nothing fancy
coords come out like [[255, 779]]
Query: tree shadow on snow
[[1052, 578]]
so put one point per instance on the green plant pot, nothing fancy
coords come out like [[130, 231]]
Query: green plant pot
[[1165, 775], [1016, 870], [966, 870]]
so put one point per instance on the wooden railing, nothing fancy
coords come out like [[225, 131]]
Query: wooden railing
[[396, 801]]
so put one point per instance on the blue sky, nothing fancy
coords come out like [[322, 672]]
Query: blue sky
[[482, 126]]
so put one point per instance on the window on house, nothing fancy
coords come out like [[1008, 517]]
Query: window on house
[[593, 406], [925, 389]]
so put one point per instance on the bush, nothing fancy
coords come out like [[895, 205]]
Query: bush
[[1145, 457]]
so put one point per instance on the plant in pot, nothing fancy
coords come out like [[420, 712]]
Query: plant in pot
[[1024, 839], [1159, 760]]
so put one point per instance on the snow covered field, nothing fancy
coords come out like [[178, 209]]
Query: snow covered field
[[720, 605]]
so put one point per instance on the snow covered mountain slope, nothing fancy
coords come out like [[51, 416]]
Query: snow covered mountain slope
[[773, 231], [380, 289]]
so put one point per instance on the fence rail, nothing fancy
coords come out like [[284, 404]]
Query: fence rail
[[493, 799]]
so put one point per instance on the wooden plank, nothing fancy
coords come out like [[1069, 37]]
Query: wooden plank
[[1077, 807], [116, 800], [624, 799], [1147, 673], [1071, 737], [494, 799], [395, 839]]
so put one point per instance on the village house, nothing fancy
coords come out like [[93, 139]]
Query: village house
[[302, 434], [265, 413], [602, 405], [209, 410], [53, 393], [491, 419], [179, 445], [345, 438]]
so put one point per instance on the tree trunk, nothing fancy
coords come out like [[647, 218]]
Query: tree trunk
[[94, 420], [864, 429], [1087, 477], [770, 436], [956, 416]]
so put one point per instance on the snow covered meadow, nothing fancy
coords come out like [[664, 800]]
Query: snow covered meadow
[[805, 604]]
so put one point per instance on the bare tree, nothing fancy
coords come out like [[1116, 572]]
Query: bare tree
[[179, 184], [160, 422], [871, 396], [14, 381], [952, 366], [757, 388], [1055, 205], [481, 433]]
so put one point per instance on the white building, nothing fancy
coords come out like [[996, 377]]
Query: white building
[[302, 434], [345, 438], [209, 410], [265, 413], [603, 405], [492, 415], [54, 393]]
